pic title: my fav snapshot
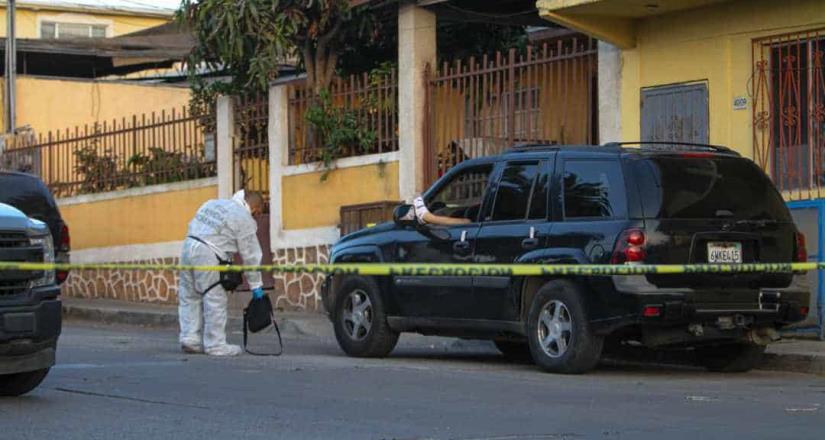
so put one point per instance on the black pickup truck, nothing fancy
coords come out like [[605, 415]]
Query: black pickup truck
[[30, 311]]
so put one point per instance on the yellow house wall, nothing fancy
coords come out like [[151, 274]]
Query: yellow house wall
[[48, 104], [28, 21], [309, 202], [711, 44], [142, 219]]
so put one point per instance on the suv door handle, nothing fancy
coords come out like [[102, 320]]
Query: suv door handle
[[530, 243]]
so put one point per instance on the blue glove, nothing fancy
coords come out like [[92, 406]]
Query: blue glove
[[257, 293]]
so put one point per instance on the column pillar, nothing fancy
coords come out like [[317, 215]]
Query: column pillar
[[416, 49], [223, 146]]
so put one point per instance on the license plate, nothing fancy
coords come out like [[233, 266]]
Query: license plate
[[724, 252]]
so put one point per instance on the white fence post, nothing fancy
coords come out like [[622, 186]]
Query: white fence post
[[223, 144], [278, 146]]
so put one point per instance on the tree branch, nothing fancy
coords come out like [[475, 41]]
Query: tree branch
[[309, 62], [329, 72]]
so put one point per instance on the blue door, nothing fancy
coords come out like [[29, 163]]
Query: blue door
[[809, 216]]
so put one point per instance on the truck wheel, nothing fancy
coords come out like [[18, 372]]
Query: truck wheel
[[730, 358], [558, 330], [21, 383], [516, 351], [360, 319]]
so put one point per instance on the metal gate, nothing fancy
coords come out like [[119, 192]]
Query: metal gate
[[251, 144], [480, 107], [675, 113], [250, 153]]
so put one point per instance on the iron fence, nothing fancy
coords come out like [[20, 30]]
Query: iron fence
[[371, 99], [145, 149], [789, 111], [478, 107]]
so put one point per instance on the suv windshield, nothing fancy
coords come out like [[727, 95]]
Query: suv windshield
[[706, 187]]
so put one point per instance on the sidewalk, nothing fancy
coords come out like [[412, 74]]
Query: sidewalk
[[795, 355], [150, 315]]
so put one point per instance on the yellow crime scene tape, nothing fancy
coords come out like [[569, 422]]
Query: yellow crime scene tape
[[423, 269]]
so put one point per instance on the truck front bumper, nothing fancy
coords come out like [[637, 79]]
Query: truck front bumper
[[29, 333]]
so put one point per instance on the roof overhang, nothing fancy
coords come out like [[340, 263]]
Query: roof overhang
[[614, 21], [102, 8], [94, 57]]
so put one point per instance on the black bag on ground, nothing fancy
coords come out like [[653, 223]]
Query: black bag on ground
[[257, 316]]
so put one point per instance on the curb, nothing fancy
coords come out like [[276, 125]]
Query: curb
[[795, 363], [114, 316]]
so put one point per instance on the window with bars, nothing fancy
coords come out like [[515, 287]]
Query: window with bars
[[60, 30], [789, 110]]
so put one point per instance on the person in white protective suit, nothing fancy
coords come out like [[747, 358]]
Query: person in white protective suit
[[220, 228]]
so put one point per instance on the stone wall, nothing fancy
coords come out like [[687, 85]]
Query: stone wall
[[291, 291], [299, 291], [148, 286]]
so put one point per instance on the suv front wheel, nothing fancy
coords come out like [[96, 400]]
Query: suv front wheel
[[360, 319], [558, 330]]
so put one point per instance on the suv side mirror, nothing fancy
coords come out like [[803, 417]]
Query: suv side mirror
[[399, 214]]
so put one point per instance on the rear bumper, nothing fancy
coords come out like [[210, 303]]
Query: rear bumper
[[681, 308], [29, 332]]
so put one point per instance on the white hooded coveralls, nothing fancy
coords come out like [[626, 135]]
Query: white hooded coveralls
[[228, 227]]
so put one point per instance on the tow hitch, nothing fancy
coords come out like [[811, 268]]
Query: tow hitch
[[762, 336]]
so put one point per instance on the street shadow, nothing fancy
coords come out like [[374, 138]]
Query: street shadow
[[633, 362]]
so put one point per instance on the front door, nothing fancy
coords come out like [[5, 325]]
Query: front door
[[459, 195], [516, 226]]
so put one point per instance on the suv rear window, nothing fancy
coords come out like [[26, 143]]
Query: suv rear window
[[593, 189], [692, 188]]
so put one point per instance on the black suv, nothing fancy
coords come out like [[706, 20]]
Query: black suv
[[612, 204], [30, 319]]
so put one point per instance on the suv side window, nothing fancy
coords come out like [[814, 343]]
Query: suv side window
[[513, 197], [461, 197], [593, 189]]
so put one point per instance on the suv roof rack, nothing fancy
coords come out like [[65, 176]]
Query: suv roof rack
[[674, 146], [534, 145]]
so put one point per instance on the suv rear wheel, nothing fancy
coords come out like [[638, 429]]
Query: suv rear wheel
[[730, 358], [21, 383], [558, 330], [360, 319]]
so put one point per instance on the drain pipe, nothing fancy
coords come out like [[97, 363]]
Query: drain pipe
[[11, 68]]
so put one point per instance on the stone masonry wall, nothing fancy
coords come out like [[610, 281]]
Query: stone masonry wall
[[160, 287], [293, 292], [301, 291]]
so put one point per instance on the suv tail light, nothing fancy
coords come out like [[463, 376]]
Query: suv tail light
[[630, 248], [800, 249], [62, 253], [65, 239]]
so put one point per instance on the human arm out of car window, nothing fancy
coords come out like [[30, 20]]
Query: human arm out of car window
[[424, 215]]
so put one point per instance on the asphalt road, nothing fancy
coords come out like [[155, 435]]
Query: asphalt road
[[132, 383]]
